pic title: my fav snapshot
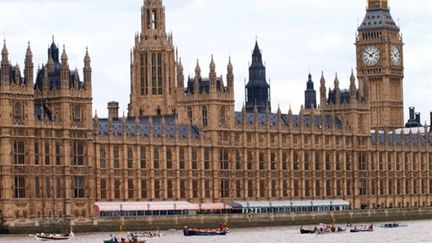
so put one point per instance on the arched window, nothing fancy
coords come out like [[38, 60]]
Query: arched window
[[18, 112], [76, 115], [204, 116], [190, 116]]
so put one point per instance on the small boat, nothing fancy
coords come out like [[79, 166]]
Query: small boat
[[47, 237], [308, 231], [144, 235], [393, 225], [362, 228], [222, 230], [123, 240]]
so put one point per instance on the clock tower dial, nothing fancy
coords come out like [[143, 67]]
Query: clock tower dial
[[380, 65], [395, 56], [371, 55]]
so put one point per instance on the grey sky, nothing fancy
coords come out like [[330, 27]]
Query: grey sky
[[296, 37]]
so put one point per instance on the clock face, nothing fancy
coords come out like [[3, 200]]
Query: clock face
[[371, 55], [395, 56]]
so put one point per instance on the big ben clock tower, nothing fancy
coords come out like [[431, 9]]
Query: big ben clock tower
[[380, 65]]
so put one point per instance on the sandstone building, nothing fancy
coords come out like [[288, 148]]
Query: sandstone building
[[183, 141]]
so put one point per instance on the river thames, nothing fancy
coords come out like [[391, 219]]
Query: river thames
[[417, 231]]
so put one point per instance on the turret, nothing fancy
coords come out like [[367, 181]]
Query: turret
[[87, 70], [180, 76], [337, 89], [197, 78], [310, 94], [28, 62], [322, 90], [64, 77], [212, 74], [5, 65], [353, 87], [230, 77]]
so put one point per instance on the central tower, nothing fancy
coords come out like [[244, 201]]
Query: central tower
[[380, 62], [153, 65]]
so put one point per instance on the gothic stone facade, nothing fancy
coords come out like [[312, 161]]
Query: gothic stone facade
[[184, 141]]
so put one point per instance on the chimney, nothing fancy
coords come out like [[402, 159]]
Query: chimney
[[418, 118], [411, 113], [113, 109]]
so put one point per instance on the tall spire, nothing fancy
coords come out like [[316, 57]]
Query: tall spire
[[5, 54], [28, 69], [258, 90]]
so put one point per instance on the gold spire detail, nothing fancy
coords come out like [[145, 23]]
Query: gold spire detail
[[377, 4]]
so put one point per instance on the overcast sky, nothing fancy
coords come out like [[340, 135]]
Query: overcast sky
[[296, 37]]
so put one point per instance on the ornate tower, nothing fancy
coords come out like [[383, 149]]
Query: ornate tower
[[257, 89], [153, 88], [310, 94], [380, 62]]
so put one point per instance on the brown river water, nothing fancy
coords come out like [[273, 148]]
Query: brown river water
[[417, 231]]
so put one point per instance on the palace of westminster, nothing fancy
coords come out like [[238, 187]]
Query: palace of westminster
[[182, 140]]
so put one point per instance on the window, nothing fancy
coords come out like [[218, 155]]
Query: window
[[194, 159], [130, 158], [169, 159], [363, 162], [58, 154], [190, 115], [59, 187], [143, 189], [18, 155], [238, 189], [224, 187], [143, 160], [48, 193], [157, 189], [102, 157], [76, 114], [103, 189], [250, 188], [77, 153], [273, 161], [156, 158], [116, 157], [224, 165], [160, 86], [18, 113], [153, 64], [204, 116], [261, 161], [284, 161], [144, 72], [37, 187], [182, 189], [36, 153], [78, 186], [182, 159], [130, 189], [206, 159], [47, 154], [250, 160], [170, 187], [363, 187], [238, 161], [20, 187], [296, 161], [207, 189], [117, 188]]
